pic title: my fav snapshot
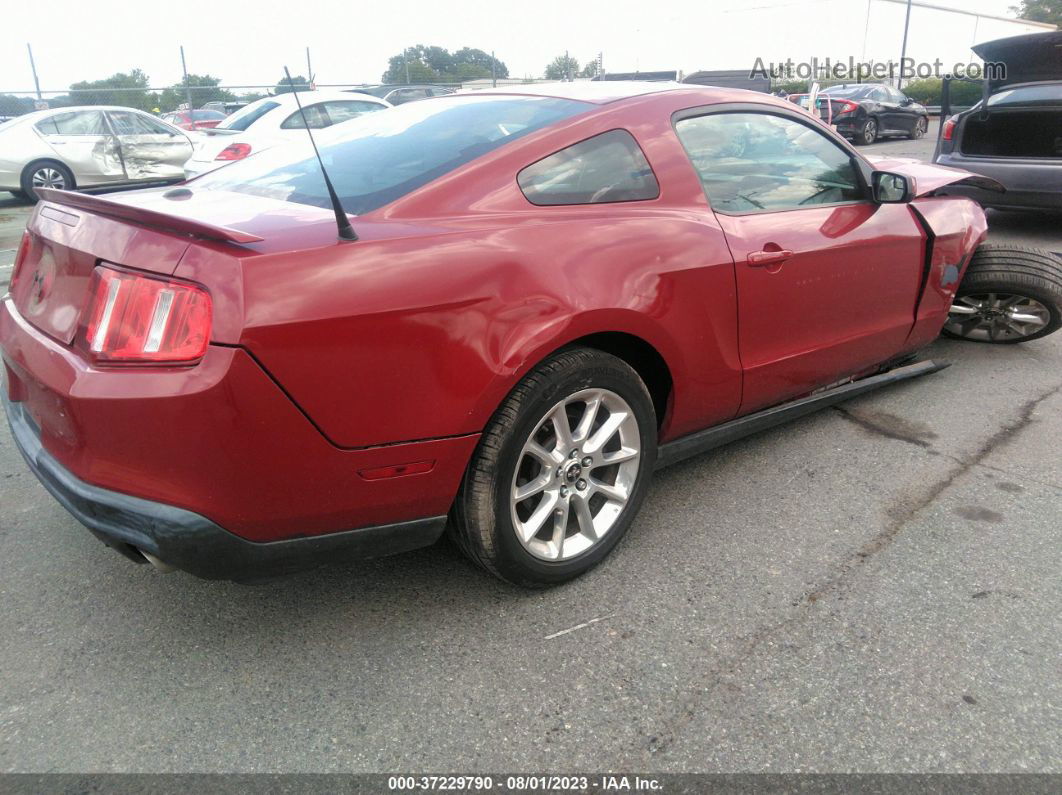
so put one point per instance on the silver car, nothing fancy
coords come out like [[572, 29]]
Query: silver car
[[89, 147]]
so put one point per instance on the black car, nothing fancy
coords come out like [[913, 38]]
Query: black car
[[865, 112]]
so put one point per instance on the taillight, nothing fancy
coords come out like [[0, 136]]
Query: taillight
[[845, 106], [948, 129], [134, 318], [20, 258], [234, 152]]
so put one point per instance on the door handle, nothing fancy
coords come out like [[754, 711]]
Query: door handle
[[757, 258]]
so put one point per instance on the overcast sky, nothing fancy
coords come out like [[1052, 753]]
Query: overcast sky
[[249, 42]]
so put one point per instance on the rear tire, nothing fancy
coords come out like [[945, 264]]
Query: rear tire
[[1009, 294], [581, 504], [868, 133], [46, 174]]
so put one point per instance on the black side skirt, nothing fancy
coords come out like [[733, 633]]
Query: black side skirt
[[702, 441]]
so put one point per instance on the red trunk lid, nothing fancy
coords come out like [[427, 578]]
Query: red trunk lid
[[50, 286]]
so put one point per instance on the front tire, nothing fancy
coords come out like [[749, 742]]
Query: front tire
[[920, 128], [1009, 294], [560, 472]]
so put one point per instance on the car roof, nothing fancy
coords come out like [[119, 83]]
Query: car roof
[[596, 91]]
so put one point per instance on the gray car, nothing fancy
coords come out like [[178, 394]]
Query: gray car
[[1014, 135], [89, 147]]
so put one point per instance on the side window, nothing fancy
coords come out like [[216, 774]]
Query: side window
[[879, 95], [758, 161], [403, 95], [128, 123], [343, 110], [85, 122], [609, 167], [316, 118]]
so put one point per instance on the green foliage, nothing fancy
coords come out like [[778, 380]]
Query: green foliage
[[929, 91], [124, 88], [562, 67], [430, 64], [1040, 11], [299, 82], [204, 89], [590, 70]]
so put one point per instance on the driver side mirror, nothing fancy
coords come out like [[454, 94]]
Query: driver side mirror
[[891, 188]]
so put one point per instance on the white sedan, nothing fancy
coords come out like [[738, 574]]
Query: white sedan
[[271, 121]]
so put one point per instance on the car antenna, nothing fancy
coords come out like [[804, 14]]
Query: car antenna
[[346, 231]]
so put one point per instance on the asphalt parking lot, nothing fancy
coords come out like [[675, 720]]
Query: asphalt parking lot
[[874, 588]]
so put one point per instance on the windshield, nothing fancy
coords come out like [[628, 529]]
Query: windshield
[[376, 158], [245, 117]]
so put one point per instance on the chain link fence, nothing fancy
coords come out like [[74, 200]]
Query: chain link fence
[[221, 98]]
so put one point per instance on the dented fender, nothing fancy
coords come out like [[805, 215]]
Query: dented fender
[[955, 226]]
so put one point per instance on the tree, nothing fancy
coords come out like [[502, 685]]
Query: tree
[[562, 67], [124, 88], [1040, 11], [204, 89], [284, 87], [590, 70], [430, 64]]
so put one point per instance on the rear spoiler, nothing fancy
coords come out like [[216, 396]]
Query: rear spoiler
[[152, 218]]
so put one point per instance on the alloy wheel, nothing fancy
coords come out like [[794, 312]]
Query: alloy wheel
[[575, 474], [870, 131], [996, 317], [48, 177]]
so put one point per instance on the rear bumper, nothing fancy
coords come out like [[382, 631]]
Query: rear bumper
[[215, 461], [193, 543]]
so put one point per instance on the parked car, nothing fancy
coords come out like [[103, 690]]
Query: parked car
[[226, 108], [203, 119], [551, 294], [865, 112], [1014, 135], [399, 95], [89, 147], [269, 121]]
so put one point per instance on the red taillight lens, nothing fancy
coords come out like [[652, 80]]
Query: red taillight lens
[[846, 106], [134, 318], [948, 129], [234, 152], [20, 258]]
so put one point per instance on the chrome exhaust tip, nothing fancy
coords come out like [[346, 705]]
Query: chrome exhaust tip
[[165, 568]]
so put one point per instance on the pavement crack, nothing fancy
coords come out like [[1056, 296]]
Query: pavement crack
[[659, 741]]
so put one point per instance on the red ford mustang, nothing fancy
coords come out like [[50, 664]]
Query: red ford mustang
[[550, 295]]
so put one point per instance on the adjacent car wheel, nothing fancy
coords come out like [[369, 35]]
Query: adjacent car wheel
[[560, 472], [868, 133], [1009, 294], [46, 174], [920, 128]]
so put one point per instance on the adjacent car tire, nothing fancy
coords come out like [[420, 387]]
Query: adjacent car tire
[[868, 133], [1009, 294], [46, 174], [920, 128], [560, 472]]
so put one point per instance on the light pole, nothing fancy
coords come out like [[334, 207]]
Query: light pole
[[903, 49]]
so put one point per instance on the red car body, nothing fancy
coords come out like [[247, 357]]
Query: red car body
[[345, 385], [185, 120]]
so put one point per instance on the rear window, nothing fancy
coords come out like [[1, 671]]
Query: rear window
[[245, 117], [207, 115], [376, 158], [606, 168], [1045, 94], [850, 92]]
